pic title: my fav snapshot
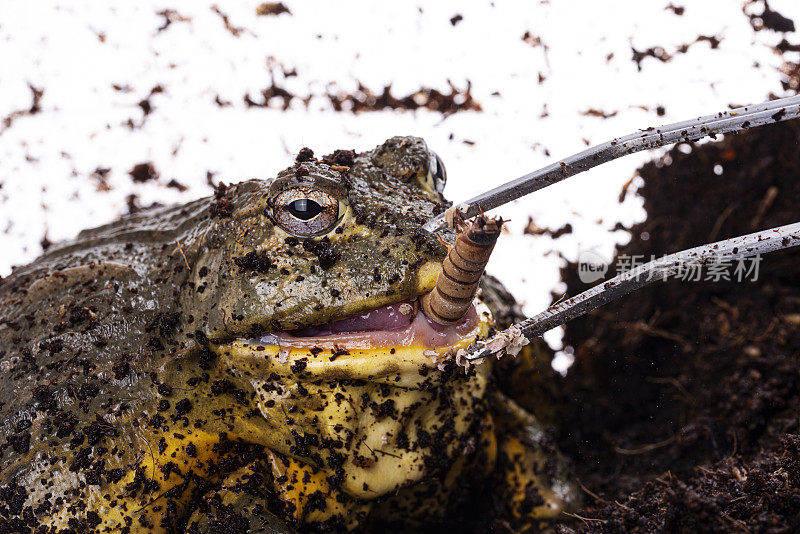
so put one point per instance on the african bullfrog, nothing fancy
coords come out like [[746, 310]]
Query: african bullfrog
[[257, 362]]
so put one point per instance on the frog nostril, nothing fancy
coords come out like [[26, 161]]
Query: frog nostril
[[304, 209]]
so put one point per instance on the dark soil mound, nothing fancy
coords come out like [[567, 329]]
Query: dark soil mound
[[681, 411]]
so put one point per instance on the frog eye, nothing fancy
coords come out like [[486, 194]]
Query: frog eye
[[436, 172], [305, 211]]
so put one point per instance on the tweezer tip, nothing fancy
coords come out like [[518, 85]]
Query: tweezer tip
[[431, 227]]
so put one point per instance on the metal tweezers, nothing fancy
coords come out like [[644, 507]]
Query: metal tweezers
[[737, 248]]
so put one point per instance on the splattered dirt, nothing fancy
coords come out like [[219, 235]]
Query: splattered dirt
[[661, 54], [769, 19], [100, 177], [234, 30], [143, 172], [447, 103], [363, 99], [35, 107], [678, 10], [593, 112], [534, 229], [683, 403], [272, 9], [170, 17]]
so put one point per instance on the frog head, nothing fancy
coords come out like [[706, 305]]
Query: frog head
[[326, 239]]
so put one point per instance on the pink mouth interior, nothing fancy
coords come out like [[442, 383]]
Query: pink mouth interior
[[383, 327]]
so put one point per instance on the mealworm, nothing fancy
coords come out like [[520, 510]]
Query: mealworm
[[461, 271]]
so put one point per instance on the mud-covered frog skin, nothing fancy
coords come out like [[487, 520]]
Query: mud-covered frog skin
[[256, 362]]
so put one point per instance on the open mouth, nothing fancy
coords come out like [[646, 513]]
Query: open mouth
[[401, 324]]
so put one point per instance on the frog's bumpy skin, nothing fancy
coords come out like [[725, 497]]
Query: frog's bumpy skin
[[461, 271]]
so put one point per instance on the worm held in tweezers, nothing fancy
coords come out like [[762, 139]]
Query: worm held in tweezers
[[461, 271]]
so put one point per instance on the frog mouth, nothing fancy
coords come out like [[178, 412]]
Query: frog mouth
[[401, 324], [380, 382]]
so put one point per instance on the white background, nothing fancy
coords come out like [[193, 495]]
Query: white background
[[77, 50]]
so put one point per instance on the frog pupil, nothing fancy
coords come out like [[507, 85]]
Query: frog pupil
[[304, 209]]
